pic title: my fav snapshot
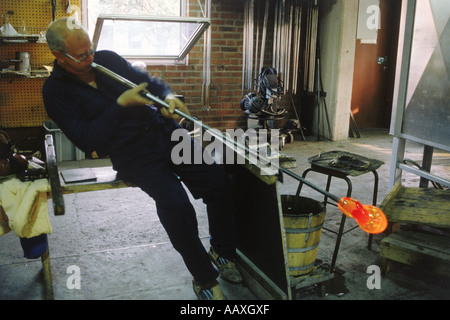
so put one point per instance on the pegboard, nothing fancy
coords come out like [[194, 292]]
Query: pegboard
[[21, 103]]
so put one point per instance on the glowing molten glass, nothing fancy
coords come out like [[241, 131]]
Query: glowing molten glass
[[370, 218]]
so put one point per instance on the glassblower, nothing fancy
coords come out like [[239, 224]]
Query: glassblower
[[370, 219]]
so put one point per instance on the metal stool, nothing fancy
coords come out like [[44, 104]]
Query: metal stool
[[341, 164]]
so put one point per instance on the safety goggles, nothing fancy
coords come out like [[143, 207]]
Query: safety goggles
[[81, 58]]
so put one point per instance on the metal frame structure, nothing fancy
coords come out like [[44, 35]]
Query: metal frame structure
[[397, 126], [202, 25]]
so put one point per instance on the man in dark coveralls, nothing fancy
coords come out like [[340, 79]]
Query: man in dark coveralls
[[99, 114]]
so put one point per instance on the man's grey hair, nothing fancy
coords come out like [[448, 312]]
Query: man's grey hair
[[58, 30]]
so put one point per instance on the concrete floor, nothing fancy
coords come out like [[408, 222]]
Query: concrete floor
[[122, 252]]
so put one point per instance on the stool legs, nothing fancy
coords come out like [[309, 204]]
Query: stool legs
[[342, 224], [300, 185], [374, 203], [343, 218]]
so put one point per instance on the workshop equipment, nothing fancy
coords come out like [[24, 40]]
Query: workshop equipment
[[365, 214], [65, 149], [23, 61]]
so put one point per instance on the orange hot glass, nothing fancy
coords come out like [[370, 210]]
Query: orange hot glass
[[369, 218]]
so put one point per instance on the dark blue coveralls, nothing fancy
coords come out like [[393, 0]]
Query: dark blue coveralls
[[138, 141]]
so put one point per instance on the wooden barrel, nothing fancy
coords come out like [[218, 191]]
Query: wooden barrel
[[303, 222]]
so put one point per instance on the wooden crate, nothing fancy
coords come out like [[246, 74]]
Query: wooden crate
[[429, 252], [417, 206], [420, 206]]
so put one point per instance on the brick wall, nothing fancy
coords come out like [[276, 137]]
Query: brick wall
[[226, 68], [227, 18]]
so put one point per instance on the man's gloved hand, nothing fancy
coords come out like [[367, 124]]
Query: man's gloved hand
[[133, 97], [174, 103]]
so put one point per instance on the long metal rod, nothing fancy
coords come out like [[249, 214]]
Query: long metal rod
[[263, 38], [206, 86], [244, 47], [228, 141], [257, 22]]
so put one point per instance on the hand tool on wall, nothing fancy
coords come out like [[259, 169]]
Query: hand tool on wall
[[370, 218], [54, 9]]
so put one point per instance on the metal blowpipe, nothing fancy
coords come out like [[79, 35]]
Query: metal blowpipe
[[131, 85], [373, 219], [164, 104], [229, 142]]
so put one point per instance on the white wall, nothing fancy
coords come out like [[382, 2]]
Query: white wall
[[337, 41]]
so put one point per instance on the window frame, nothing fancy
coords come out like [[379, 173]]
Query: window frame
[[181, 59], [202, 26]]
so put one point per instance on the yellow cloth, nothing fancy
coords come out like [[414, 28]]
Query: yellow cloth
[[24, 207]]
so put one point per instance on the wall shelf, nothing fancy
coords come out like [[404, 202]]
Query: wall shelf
[[12, 74], [32, 38]]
